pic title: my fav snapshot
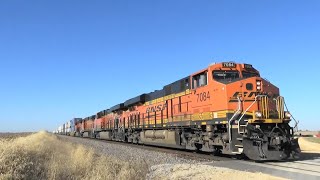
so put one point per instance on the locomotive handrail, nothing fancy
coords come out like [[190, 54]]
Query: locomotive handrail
[[243, 114], [297, 122], [232, 118]]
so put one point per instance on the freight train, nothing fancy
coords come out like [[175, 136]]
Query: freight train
[[226, 108]]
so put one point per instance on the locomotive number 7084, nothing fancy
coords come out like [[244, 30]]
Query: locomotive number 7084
[[203, 96]]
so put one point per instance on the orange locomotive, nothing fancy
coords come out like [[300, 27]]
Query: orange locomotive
[[226, 108]]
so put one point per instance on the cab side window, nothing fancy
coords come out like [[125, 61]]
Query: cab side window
[[199, 80]]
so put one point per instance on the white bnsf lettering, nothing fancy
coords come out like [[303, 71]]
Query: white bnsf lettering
[[157, 108]]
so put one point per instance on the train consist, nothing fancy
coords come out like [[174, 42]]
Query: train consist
[[226, 108]]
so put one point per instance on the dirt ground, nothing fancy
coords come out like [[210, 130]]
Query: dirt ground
[[307, 146], [201, 172]]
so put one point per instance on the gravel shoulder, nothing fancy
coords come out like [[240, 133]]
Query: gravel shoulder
[[307, 146], [129, 153]]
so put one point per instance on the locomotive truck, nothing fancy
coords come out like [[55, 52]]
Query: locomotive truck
[[226, 108]]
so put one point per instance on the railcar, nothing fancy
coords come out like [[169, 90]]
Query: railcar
[[72, 126], [87, 126], [226, 108]]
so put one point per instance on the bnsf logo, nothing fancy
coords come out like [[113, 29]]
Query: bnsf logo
[[157, 108], [235, 96], [244, 94]]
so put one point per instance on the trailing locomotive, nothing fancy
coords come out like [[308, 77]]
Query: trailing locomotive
[[226, 108]]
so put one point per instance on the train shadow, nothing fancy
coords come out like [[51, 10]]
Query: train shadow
[[309, 156]]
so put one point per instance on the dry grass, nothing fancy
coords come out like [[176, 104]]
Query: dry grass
[[44, 156]]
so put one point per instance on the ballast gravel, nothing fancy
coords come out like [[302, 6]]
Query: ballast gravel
[[129, 153]]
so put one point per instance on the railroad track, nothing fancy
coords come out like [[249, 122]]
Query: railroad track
[[308, 167]]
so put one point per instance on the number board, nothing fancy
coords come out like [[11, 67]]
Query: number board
[[229, 65], [248, 66]]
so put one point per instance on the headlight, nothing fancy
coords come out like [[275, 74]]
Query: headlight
[[258, 114], [287, 114], [258, 85]]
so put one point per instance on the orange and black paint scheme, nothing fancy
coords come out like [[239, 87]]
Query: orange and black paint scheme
[[226, 108]]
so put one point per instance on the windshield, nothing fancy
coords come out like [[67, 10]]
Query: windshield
[[246, 74], [225, 75]]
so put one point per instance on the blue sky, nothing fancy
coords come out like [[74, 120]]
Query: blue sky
[[65, 59]]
